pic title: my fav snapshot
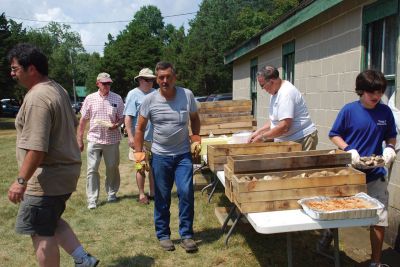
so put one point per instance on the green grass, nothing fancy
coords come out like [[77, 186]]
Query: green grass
[[122, 233]]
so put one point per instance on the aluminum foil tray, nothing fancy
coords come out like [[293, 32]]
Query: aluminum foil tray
[[341, 214]]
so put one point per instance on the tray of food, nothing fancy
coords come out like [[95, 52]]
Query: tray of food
[[103, 123], [331, 208], [370, 162]]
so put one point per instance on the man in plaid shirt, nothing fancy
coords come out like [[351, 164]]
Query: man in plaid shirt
[[104, 111]]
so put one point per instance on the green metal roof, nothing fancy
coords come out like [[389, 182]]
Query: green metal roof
[[304, 12]]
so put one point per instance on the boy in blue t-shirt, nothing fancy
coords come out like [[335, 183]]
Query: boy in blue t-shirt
[[360, 129]]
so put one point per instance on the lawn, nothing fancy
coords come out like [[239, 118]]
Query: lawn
[[122, 233]]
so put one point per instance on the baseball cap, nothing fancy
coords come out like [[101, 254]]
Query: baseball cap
[[104, 78]]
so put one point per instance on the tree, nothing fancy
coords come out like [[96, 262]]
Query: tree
[[61, 45], [138, 46], [10, 34], [219, 26]]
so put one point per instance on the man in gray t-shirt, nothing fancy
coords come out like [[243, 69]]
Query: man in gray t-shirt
[[169, 109]]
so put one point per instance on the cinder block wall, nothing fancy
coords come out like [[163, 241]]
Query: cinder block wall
[[327, 61]]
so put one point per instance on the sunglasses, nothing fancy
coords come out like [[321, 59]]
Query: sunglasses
[[148, 80], [106, 83]]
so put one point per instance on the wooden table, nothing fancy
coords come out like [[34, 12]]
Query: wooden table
[[287, 221]]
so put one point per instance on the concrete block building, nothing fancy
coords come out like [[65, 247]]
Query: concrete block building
[[321, 46]]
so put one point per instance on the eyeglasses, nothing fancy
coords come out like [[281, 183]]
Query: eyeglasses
[[106, 83], [14, 69], [148, 80], [264, 84]]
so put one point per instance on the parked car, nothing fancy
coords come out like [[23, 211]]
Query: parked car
[[9, 107], [200, 98], [77, 107], [219, 97]]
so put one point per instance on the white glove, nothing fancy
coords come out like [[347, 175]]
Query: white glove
[[355, 157], [388, 155]]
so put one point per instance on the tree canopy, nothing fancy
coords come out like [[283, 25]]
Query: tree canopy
[[197, 53]]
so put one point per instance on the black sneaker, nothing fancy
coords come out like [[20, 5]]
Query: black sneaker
[[189, 245], [324, 243], [167, 245]]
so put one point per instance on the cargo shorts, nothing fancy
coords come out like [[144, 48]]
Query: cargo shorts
[[378, 189], [39, 215]]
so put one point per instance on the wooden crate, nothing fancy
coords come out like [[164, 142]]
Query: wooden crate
[[268, 195], [288, 161], [217, 154], [228, 183], [225, 117]]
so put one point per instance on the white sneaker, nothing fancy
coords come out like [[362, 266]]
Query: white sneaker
[[374, 264], [88, 261], [92, 206]]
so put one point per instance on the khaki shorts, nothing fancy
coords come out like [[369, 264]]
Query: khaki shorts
[[378, 189], [146, 149], [309, 142]]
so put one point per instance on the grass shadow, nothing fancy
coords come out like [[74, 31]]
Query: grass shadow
[[7, 125], [138, 260], [389, 256]]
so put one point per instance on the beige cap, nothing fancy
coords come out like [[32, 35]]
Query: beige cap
[[104, 78], [146, 73]]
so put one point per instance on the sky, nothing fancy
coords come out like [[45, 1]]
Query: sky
[[94, 36]]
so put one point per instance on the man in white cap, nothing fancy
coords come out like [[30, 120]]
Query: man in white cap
[[133, 101], [103, 109]]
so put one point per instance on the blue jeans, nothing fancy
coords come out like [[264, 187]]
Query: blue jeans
[[166, 170]]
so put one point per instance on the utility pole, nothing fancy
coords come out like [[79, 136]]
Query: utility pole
[[73, 77]]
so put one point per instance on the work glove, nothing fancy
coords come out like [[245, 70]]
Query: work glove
[[355, 157], [389, 155], [140, 160], [195, 149]]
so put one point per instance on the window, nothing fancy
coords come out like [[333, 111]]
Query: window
[[380, 35], [253, 85], [288, 61]]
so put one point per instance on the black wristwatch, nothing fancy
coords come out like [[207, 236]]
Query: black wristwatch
[[22, 181]]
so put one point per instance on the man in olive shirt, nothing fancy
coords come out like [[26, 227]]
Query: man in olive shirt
[[48, 159]]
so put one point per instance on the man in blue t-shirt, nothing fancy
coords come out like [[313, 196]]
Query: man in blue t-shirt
[[360, 128], [134, 99]]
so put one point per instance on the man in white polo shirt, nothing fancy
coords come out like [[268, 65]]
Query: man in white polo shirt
[[104, 111]]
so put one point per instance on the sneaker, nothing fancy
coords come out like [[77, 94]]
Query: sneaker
[[325, 241], [88, 261], [167, 245], [151, 198], [374, 264], [92, 206], [112, 198], [189, 245]]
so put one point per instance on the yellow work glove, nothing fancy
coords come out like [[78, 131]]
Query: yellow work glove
[[139, 159]]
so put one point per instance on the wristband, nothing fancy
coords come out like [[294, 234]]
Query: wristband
[[347, 148]]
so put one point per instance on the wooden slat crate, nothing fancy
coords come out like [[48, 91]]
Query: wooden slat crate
[[228, 183], [225, 117], [267, 195], [288, 161], [217, 154]]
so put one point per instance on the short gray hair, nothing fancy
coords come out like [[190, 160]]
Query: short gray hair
[[268, 72]]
